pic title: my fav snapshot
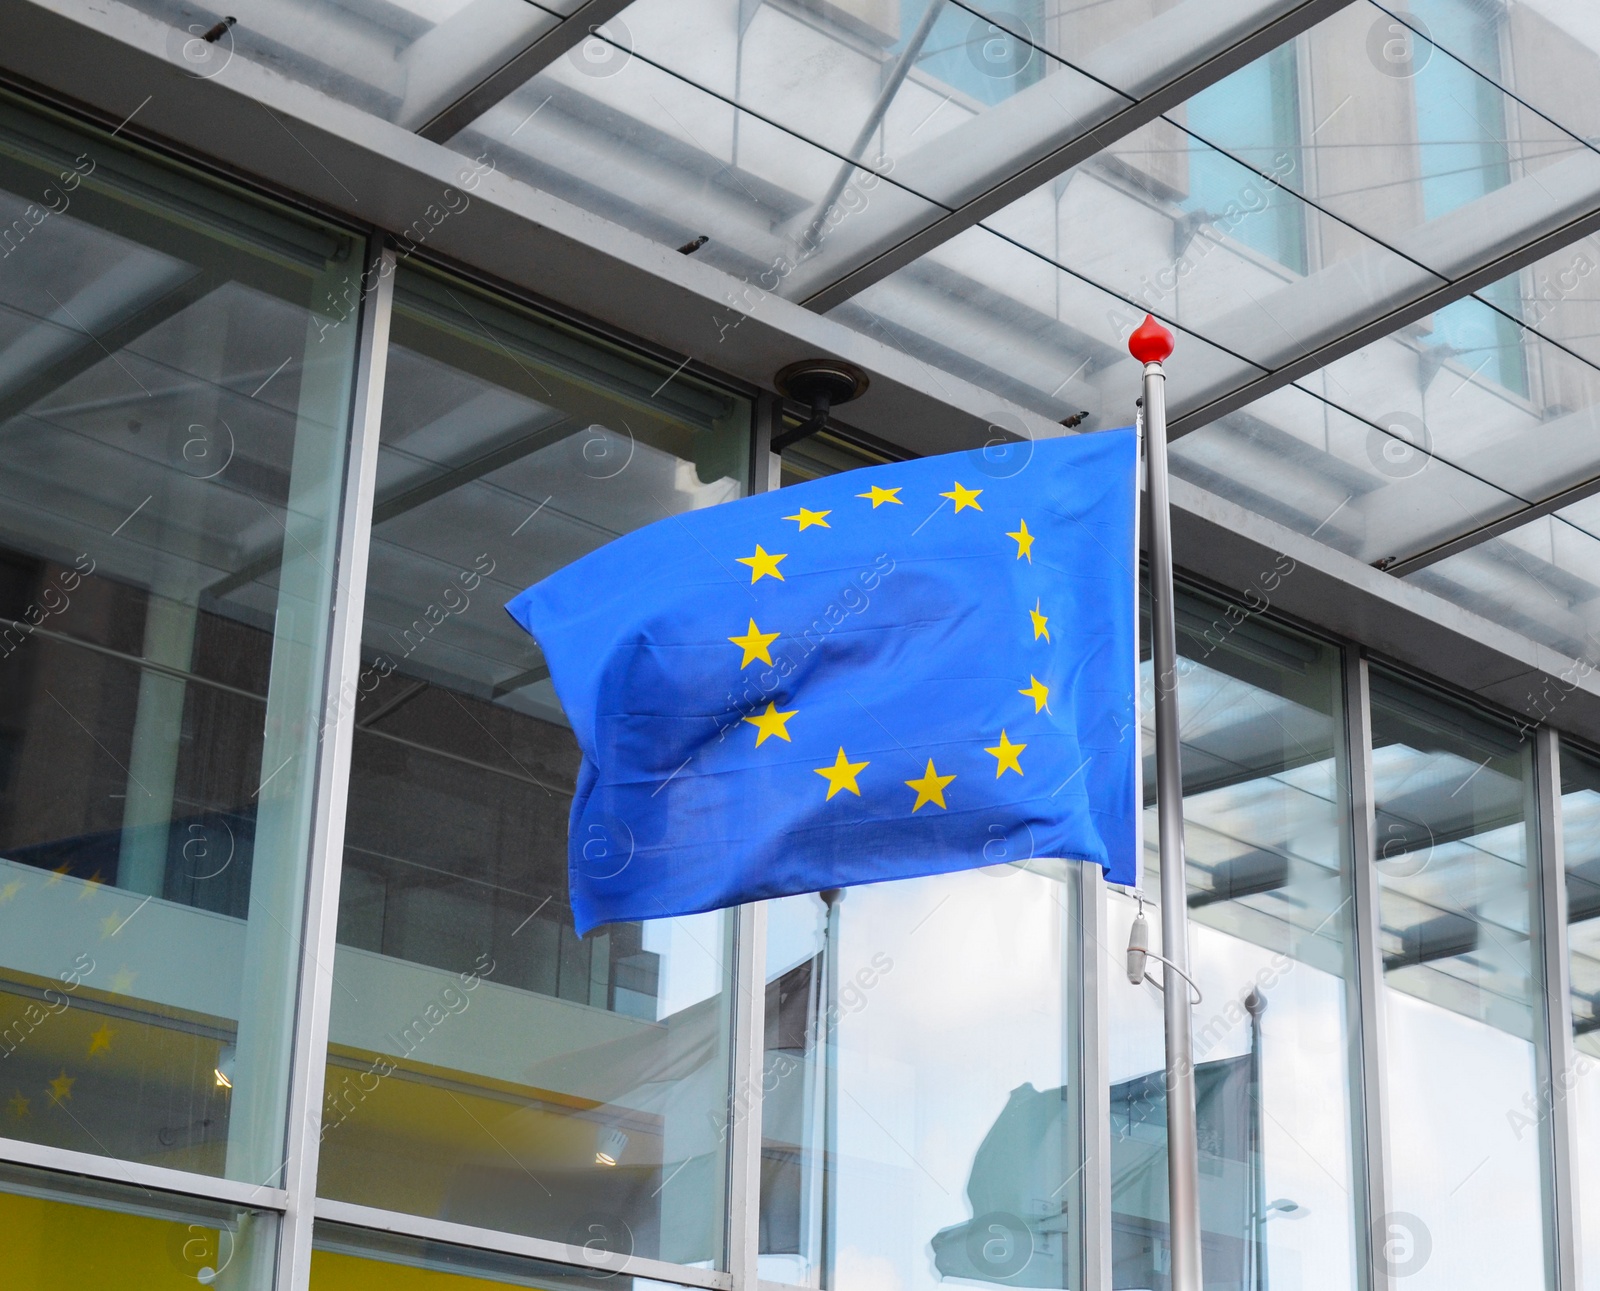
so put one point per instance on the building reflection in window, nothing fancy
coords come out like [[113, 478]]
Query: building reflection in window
[[486, 1064], [175, 384], [1270, 918], [1452, 842]]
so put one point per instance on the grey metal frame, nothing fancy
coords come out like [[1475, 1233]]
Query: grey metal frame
[[584, 1261], [1364, 988], [333, 777], [1092, 959], [744, 1112], [522, 67], [1557, 1056]]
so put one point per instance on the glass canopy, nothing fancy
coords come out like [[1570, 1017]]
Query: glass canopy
[[1374, 232]]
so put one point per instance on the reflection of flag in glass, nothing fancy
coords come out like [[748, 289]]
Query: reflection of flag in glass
[[1020, 1199]]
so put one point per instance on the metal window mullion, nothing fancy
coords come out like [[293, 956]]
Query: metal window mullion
[[1094, 1077], [141, 1175], [1555, 1054], [744, 1105], [314, 1000], [1365, 1003]]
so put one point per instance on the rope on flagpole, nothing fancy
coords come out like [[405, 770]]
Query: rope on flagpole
[[1151, 344]]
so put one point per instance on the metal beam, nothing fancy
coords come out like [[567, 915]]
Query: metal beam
[[1078, 147], [96, 348], [1493, 529], [522, 67]]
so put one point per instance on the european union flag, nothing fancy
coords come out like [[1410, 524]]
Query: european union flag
[[900, 670]]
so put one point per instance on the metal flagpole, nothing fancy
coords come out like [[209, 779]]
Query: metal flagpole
[[1150, 344]]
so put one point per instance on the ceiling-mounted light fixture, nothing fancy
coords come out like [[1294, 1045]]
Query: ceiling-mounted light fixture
[[609, 1145], [822, 383], [223, 1072]]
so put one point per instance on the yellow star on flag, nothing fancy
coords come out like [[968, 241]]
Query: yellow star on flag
[[101, 1039], [122, 981], [109, 926], [1037, 691], [19, 1105], [1024, 541], [763, 564], [91, 885], [771, 722], [809, 518], [754, 643], [57, 874], [930, 788], [1005, 755], [10, 890], [879, 496], [842, 775], [964, 498], [1040, 621], [61, 1087]]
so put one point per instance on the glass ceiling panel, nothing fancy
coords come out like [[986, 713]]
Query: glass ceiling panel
[[1422, 151], [935, 98], [1482, 393], [659, 155], [1546, 52], [1429, 433], [402, 60], [1349, 483], [1541, 579], [1558, 297], [1050, 340], [1273, 213], [1182, 229]]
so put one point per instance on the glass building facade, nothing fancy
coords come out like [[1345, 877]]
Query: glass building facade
[[370, 315]]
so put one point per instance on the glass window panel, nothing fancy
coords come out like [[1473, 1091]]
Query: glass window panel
[[1270, 937], [1455, 902], [486, 1065], [1366, 488], [1580, 838], [921, 1113], [1539, 579], [404, 61], [175, 386], [922, 1038], [64, 1234]]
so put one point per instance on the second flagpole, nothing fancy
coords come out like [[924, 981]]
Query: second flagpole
[[1151, 344]]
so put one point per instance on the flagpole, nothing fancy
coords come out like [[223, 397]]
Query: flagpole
[[1151, 344]]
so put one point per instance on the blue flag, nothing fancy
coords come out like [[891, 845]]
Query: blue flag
[[899, 670]]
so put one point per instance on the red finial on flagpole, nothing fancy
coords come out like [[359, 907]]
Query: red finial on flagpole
[[1150, 342]]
